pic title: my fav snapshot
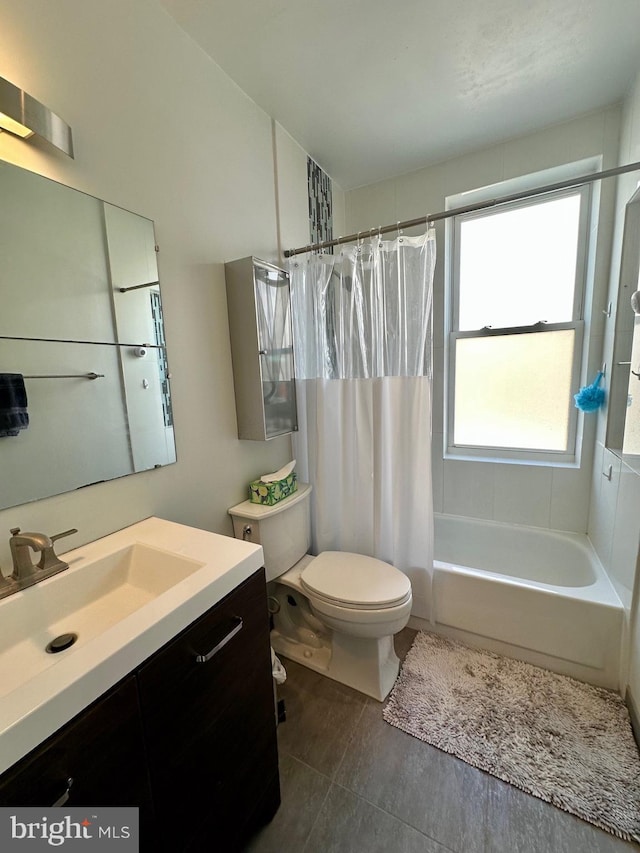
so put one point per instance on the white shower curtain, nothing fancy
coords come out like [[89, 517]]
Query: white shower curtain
[[362, 338]]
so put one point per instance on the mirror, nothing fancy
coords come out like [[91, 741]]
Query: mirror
[[82, 322], [623, 425]]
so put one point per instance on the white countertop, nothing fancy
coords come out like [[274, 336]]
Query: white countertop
[[81, 674]]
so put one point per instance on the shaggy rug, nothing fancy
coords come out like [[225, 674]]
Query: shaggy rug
[[563, 741]]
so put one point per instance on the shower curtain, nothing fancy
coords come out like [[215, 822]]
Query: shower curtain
[[363, 362]]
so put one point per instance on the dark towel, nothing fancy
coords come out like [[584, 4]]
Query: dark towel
[[13, 404]]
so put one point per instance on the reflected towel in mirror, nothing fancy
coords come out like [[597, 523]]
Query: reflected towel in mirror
[[13, 404]]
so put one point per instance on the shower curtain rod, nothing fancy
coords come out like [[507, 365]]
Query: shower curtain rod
[[470, 208]]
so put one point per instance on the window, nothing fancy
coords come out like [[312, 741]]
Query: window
[[517, 284]]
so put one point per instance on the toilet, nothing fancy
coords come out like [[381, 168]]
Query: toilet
[[335, 613]]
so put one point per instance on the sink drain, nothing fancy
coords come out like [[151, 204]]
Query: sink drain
[[59, 644]]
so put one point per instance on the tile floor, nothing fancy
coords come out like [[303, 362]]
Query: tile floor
[[351, 783]]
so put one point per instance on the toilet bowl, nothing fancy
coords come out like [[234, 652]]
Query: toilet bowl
[[335, 612], [359, 595]]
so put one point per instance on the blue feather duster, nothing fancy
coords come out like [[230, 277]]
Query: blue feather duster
[[590, 397]]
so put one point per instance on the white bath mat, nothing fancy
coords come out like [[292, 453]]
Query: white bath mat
[[563, 741]]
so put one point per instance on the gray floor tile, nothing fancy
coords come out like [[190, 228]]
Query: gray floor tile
[[520, 823], [349, 824], [437, 794], [403, 641], [322, 717], [393, 793], [303, 791]]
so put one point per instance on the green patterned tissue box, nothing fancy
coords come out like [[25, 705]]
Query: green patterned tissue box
[[269, 494]]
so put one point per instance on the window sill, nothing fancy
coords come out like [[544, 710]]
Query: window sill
[[483, 455]]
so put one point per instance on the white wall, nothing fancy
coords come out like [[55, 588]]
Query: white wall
[[543, 496], [160, 130]]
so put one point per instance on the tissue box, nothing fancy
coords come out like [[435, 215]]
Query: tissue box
[[269, 494]]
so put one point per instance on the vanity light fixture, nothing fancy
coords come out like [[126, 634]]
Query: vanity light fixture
[[23, 116]]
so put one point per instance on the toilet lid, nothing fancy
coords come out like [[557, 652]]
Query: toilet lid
[[356, 580]]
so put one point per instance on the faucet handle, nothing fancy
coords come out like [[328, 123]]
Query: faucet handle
[[49, 559], [64, 533], [14, 531]]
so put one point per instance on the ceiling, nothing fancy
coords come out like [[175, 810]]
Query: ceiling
[[373, 88]]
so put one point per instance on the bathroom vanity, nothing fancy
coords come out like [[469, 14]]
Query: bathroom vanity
[[188, 731]]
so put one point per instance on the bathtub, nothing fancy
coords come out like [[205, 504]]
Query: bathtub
[[537, 595]]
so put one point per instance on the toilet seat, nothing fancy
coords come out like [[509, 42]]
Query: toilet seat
[[355, 582]]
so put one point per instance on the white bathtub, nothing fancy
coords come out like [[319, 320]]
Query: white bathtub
[[538, 595]]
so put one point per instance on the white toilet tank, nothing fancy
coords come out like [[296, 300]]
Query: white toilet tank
[[283, 530]]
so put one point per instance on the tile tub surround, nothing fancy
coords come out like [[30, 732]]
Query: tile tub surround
[[351, 783]]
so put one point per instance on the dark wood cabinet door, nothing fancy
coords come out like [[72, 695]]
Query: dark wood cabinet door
[[208, 714], [97, 759]]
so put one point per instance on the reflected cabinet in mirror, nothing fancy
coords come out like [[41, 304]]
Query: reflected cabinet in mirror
[[623, 425], [84, 381]]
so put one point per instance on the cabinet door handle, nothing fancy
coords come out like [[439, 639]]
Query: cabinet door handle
[[222, 643], [65, 796]]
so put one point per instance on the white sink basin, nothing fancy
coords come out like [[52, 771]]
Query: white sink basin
[[125, 596], [85, 600]]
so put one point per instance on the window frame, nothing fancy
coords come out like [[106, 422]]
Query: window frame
[[570, 455]]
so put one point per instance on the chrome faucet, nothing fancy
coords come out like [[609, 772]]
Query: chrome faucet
[[25, 572]]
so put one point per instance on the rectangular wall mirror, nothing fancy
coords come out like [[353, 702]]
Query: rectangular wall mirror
[[623, 421], [82, 322]]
